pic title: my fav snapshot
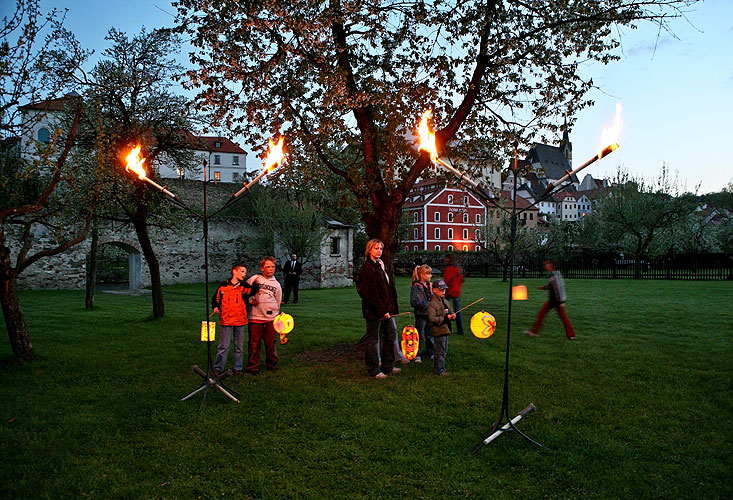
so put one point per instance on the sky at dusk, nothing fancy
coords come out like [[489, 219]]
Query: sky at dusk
[[676, 93]]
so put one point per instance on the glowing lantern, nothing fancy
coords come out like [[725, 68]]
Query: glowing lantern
[[212, 331], [410, 342], [519, 292], [483, 325], [283, 324]]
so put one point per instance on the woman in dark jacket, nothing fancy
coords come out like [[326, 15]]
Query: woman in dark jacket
[[378, 305]]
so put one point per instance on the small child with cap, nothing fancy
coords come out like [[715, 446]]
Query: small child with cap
[[439, 315]]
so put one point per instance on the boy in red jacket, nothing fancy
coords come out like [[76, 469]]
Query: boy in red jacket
[[231, 300]]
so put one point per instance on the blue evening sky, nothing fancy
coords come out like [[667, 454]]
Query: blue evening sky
[[677, 93]]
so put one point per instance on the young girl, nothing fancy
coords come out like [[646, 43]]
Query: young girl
[[420, 295]]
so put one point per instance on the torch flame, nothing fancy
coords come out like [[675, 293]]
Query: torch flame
[[274, 154], [610, 134], [135, 163], [427, 138]]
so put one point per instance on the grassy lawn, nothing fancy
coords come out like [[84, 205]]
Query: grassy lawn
[[639, 406]]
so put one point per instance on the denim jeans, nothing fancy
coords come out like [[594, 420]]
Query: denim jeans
[[376, 328], [441, 349], [426, 339], [459, 316], [398, 355], [225, 339]]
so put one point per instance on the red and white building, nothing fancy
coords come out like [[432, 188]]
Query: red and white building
[[443, 218]]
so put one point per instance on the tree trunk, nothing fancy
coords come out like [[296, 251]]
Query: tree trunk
[[141, 228], [92, 270], [382, 225], [20, 340]]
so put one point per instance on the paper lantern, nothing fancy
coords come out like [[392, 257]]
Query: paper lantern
[[483, 325], [212, 331], [283, 324], [519, 292], [410, 342]]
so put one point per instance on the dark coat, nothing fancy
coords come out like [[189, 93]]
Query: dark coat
[[378, 296]]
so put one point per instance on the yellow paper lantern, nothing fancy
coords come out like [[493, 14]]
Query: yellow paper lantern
[[410, 342], [519, 292], [483, 325], [283, 324], [212, 331]]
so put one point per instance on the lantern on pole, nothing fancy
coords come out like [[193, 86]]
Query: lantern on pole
[[410, 342], [519, 292], [483, 325], [211, 334], [283, 324]]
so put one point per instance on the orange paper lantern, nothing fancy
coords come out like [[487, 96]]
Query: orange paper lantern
[[410, 342], [519, 292], [283, 324], [483, 325]]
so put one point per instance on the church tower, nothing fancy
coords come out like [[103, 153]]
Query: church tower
[[566, 145]]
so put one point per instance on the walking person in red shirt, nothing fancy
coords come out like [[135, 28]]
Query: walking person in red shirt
[[453, 277]]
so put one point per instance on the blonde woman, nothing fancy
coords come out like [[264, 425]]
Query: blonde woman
[[378, 305]]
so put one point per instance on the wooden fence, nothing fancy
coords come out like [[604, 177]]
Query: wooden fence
[[681, 267]]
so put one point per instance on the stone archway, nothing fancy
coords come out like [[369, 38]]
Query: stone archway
[[118, 272]]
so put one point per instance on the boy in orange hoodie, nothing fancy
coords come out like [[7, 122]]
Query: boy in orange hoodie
[[230, 299]]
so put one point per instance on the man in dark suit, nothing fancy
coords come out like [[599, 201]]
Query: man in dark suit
[[292, 270]]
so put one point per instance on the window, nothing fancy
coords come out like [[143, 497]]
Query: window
[[235, 176], [436, 217], [450, 233], [437, 247], [414, 216], [450, 216], [450, 199], [217, 144], [414, 234], [335, 245], [217, 159], [415, 248], [235, 160], [478, 248], [181, 173], [437, 233], [531, 216], [477, 234], [465, 200], [450, 248], [465, 248], [44, 135], [478, 218], [465, 218], [465, 234], [217, 176], [407, 248]]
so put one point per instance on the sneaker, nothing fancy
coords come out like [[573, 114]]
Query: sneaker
[[217, 373], [380, 375], [571, 338], [444, 374], [396, 370], [417, 360], [531, 333], [404, 361]]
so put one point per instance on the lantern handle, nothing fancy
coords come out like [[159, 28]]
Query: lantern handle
[[469, 305]]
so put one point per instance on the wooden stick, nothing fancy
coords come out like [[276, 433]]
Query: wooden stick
[[400, 314], [469, 305]]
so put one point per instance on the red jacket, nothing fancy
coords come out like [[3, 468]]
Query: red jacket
[[453, 277], [232, 303]]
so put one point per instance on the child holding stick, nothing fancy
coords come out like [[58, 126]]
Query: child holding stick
[[230, 300], [438, 315], [420, 296]]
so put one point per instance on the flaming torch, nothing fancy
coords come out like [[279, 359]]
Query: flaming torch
[[607, 146], [275, 156], [135, 165], [427, 143]]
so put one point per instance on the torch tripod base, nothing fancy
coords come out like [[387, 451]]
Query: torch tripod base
[[498, 429], [211, 380]]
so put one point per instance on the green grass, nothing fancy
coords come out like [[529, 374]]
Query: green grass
[[638, 407]]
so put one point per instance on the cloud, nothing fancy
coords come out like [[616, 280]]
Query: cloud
[[648, 49]]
